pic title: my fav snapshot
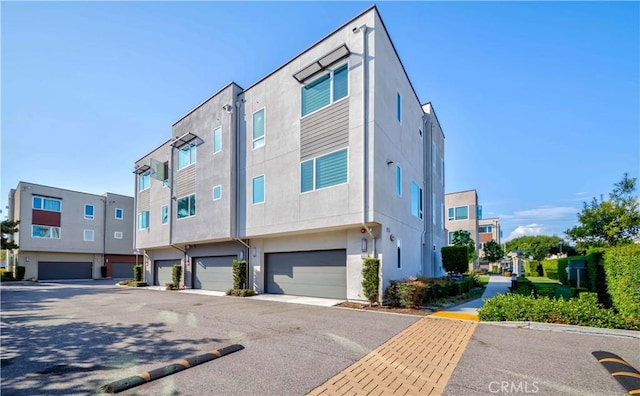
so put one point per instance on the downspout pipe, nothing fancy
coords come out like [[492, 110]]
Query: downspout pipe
[[236, 210]]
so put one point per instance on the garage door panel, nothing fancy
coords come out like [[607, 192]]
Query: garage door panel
[[54, 270], [163, 271], [122, 270], [213, 273], [321, 273]]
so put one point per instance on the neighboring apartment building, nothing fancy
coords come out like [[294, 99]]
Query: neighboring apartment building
[[488, 230], [328, 159], [66, 234]]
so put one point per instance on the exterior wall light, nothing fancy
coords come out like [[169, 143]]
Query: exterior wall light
[[363, 244]]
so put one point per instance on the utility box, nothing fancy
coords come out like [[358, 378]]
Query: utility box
[[577, 273]]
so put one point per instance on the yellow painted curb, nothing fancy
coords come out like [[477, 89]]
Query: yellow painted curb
[[456, 315]]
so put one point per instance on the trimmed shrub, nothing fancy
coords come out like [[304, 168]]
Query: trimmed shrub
[[239, 274], [546, 291], [137, 272], [176, 275], [454, 259], [171, 286], [241, 292], [6, 275], [408, 295], [622, 268], [371, 278], [391, 294], [583, 311], [20, 270]]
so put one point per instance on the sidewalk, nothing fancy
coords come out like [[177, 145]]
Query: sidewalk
[[469, 311]]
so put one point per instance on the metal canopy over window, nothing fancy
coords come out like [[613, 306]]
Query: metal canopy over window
[[186, 139], [140, 169], [321, 64]]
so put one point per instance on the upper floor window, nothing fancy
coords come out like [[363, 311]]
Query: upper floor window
[[88, 235], [258, 189], [187, 206], [325, 90], [398, 107], [117, 234], [165, 214], [144, 181], [217, 140], [324, 171], [399, 252], [416, 200], [88, 212], [485, 228], [51, 204], [398, 180], [479, 212], [119, 213], [39, 231], [143, 220], [459, 213], [217, 192], [258, 128], [434, 152], [442, 170], [442, 215], [187, 155]]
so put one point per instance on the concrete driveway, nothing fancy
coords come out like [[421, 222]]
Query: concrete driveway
[[73, 338]]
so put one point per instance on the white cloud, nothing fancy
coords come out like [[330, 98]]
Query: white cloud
[[528, 230]]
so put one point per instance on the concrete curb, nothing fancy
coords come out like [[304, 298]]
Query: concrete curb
[[568, 329]]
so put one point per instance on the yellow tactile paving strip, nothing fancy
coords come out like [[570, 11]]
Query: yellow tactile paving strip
[[456, 315], [417, 361]]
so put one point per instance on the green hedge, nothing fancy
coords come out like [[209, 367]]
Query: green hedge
[[582, 311], [137, 272], [371, 278], [622, 268], [424, 291], [455, 259], [555, 269], [239, 274]]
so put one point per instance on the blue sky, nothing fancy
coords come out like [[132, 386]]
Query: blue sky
[[540, 102]]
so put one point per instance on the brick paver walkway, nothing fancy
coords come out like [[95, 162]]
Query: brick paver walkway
[[417, 361]]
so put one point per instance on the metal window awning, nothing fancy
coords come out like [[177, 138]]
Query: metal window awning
[[140, 169], [321, 64], [185, 139]]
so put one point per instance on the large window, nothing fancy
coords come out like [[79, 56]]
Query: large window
[[325, 90], [324, 171], [258, 189], [40, 231], [459, 213], [485, 228], [143, 220], [217, 140], [165, 214], [187, 155], [144, 181], [398, 180], [258, 128], [88, 212], [119, 213], [416, 200], [187, 206], [88, 235], [51, 204]]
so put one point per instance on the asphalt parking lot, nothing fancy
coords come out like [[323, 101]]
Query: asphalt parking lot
[[73, 338]]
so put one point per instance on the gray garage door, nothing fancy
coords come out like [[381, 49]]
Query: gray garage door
[[213, 273], [48, 270], [162, 271], [321, 273], [122, 270]]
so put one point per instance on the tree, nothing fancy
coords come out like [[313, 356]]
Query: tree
[[9, 227], [463, 238], [454, 259], [539, 246], [611, 222], [493, 251]]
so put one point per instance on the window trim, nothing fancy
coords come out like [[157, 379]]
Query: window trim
[[485, 227], [193, 145], [213, 192], [93, 209], [264, 131], [50, 228], [214, 139], [264, 189], [454, 213], [138, 220], [315, 167], [115, 213], [162, 218], [420, 198], [84, 235], [188, 207], [140, 176], [33, 206], [330, 71], [116, 233]]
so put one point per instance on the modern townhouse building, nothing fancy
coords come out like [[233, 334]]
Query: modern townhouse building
[[463, 213], [488, 230], [66, 234], [326, 160]]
